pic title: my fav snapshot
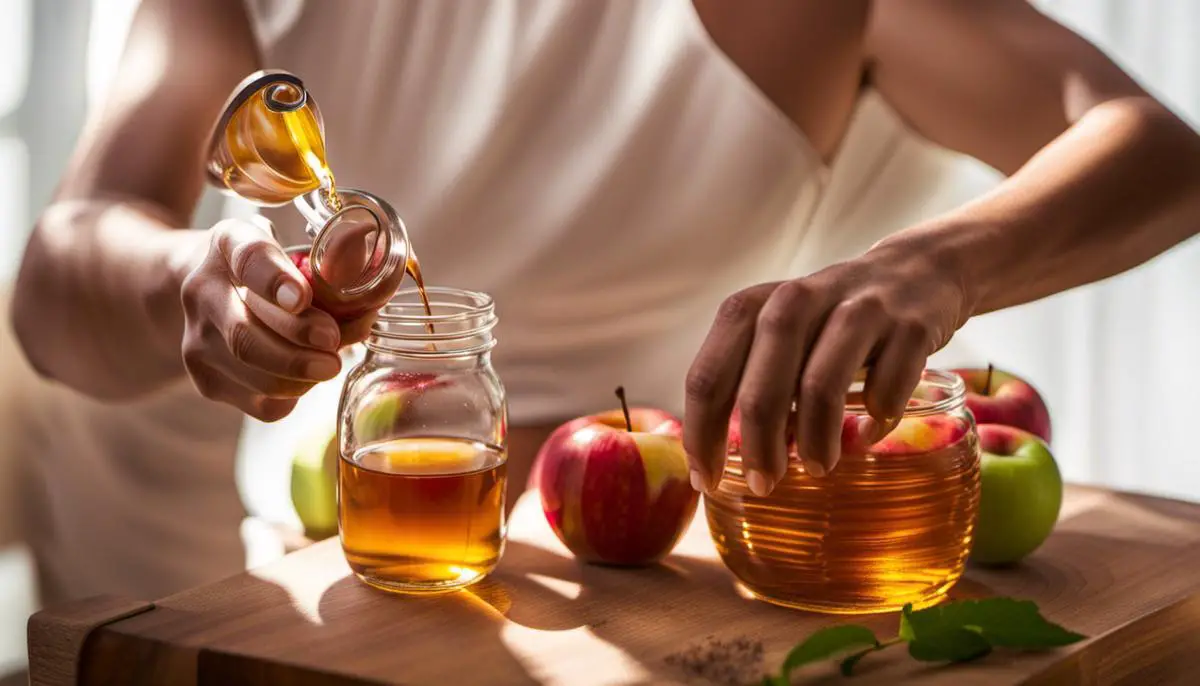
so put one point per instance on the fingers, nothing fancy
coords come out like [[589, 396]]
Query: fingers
[[783, 333], [851, 333], [712, 383], [256, 353], [254, 260], [216, 386], [894, 375], [233, 357], [312, 328]]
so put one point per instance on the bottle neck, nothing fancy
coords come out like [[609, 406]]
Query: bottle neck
[[389, 236]]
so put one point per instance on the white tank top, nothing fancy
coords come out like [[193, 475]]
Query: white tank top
[[599, 167]]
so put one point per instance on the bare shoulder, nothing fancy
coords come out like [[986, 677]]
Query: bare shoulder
[[179, 62], [996, 79]]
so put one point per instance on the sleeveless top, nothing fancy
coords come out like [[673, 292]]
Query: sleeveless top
[[601, 168]]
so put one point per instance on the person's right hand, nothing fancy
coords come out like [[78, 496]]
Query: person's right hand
[[250, 337]]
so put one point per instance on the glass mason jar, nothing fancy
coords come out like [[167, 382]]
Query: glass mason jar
[[422, 434], [888, 526]]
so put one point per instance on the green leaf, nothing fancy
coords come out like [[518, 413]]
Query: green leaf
[[934, 637], [953, 645], [1003, 622], [827, 643]]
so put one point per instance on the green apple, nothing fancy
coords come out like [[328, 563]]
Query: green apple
[[314, 483], [1020, 496]]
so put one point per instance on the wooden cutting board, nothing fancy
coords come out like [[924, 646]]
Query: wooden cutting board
[[1123, 569]]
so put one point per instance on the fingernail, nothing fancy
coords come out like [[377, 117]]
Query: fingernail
[[869, 431], [322, 369], [758, 483], [288, 296], [697, 481], [814, 468], [323, 337]]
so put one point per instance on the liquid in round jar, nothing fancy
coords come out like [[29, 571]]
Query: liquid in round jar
[[886, 527]]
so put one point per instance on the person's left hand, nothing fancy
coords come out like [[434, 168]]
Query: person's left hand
[[803, 341]]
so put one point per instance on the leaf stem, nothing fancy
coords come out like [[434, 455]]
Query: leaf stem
[[987, 383], [847, 664]]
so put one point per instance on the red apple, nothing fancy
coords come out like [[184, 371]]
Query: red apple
[[303, 262], [379, 415], [1021, 492], [999, 397], [614, 495], [918, 435], [338, 309], [851, 439]]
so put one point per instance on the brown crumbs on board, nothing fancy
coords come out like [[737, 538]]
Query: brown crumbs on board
[[729, 662]]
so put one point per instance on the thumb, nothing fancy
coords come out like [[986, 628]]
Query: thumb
[[256, 261]]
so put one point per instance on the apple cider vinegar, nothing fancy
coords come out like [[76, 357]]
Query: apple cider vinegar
[[422, 514], [887, 527], [269, 147]]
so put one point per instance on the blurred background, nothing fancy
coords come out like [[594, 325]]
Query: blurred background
[[1116, 362]]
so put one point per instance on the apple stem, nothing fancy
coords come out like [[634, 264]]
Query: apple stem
[[987, 383], [624, 408]]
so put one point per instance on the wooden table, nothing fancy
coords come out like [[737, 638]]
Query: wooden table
[[1123, 569]]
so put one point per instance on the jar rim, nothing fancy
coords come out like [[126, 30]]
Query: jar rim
[[949, 393], [461, 324], [476, 304]]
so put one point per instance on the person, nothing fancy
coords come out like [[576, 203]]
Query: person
[[685, 195]]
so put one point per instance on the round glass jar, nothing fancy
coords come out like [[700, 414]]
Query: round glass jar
[[422, 436], [888, 526]]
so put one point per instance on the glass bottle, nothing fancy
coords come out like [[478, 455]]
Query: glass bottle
[[422, 436], [888, 526], [268, 147]]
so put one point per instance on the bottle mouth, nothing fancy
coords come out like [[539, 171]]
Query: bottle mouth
[[367, 216], [937, 392], [459, 323]]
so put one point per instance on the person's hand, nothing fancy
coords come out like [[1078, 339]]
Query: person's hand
[[802, 342], [251, 338]]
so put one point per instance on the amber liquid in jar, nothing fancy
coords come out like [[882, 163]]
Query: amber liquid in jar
[[883, 529], [422, 514], [273, 155]]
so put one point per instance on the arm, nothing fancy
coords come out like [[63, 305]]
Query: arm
[[1101, 176], [96, 304], [113, 298]]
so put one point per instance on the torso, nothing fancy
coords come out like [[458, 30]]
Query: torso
[[608, 171], [813, 76], [603, 169]]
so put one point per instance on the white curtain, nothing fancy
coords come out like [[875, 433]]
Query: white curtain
[[1118, 361]]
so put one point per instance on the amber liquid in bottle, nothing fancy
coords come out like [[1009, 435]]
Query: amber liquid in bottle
[[275, 156], [306, 136], [878, 532], [422, 514]]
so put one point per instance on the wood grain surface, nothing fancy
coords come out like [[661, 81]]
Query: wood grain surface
[[1123, 569]]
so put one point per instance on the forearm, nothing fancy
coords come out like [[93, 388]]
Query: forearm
[[1115, 190], [97, 300]]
